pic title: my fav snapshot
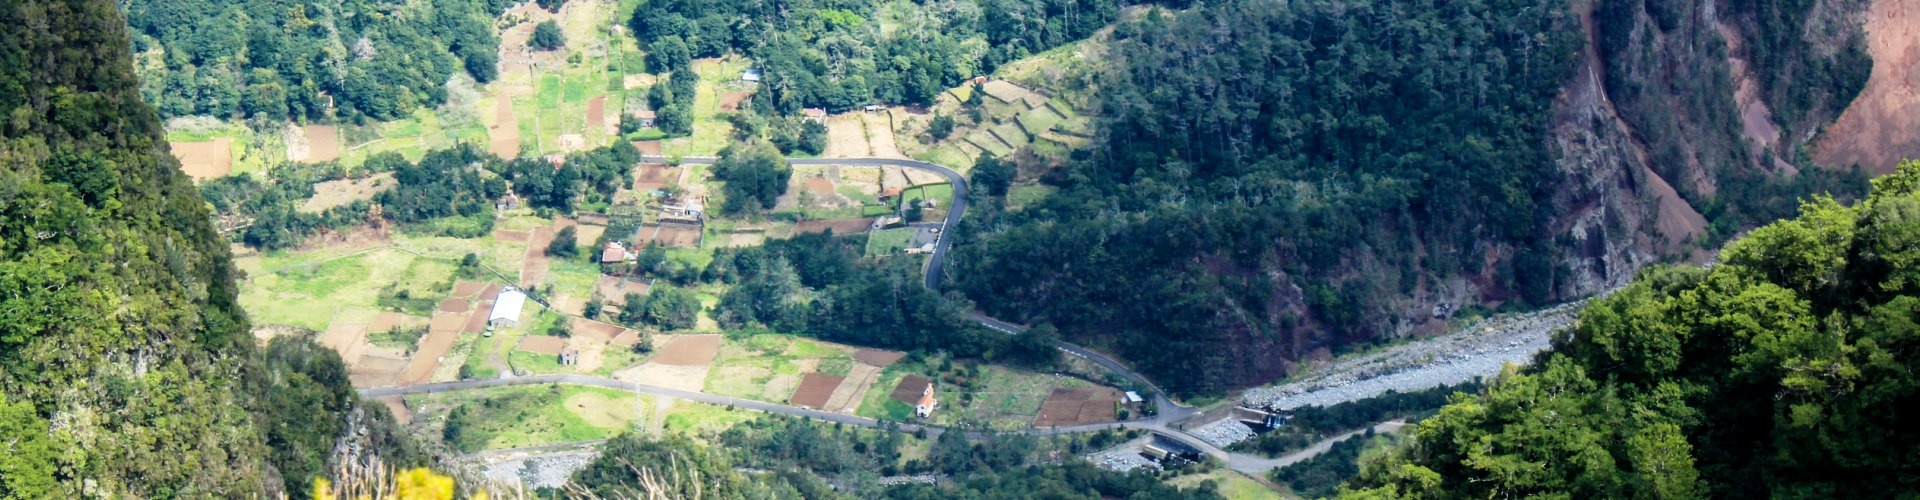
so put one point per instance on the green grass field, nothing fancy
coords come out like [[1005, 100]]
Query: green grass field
[[1232, 485], [878, 402], [1022, 196], [692, 418], [514, 417], [888, 241], [537, 363], [941, 194], [711, 131]]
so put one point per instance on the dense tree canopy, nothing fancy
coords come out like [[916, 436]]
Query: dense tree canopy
[[756, 176], [126, 365], [836, 55], [446, 185], [279, 59], [1784, 371], [547, 36], [1254, 199]]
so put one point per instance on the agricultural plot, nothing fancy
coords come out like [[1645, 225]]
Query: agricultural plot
[[710, 128], [770, 367], [514, 417], [680, 362], [672, 236], [1009, 133], [1076, 406], [996, 397], [207, 159], [341, 192]]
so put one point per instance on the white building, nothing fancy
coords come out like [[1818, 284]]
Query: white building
[[506, 308]]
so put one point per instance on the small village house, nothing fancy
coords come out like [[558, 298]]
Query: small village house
[[815, 114], [927, 402], [647, 117]]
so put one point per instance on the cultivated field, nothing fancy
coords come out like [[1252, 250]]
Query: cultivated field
[[205, 159]]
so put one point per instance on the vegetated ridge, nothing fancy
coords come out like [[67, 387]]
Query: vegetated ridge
[[1271, 184], [126, 367], [1783, 371]]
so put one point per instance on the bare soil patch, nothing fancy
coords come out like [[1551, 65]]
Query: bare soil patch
[[877, 357], [386, 321], [815, 389], [1882, 126], [477, 322], [648, 148], [455, 305], [398, 407], [504, 135], [591, 353], [511, 236], [847, 137], [323, 143], [373, 370], [848, 395], [731, 101], [542, 344], [586, 328], [910, 389], [1087, 405], [821, 187], [881, 142], [654, 176], [838, 226], [597, 112], [627, 338], [615, 290], [468, 289], [672, 236], [685, 378], [534, 271], [1756, 118], [492, 292], [689, 350], [207, 159], [436, 344], [348, 339]]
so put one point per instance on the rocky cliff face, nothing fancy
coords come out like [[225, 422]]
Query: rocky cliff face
[[1669, 136]]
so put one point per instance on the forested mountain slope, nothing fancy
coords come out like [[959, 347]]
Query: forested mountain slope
[[1275, 179], [280, 59], [126, 366], [1785, 371]]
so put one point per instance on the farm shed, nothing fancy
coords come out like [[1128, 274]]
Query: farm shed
[[506, 309]]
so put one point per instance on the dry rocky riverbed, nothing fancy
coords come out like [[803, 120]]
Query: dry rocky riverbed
[[1479, 350]]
